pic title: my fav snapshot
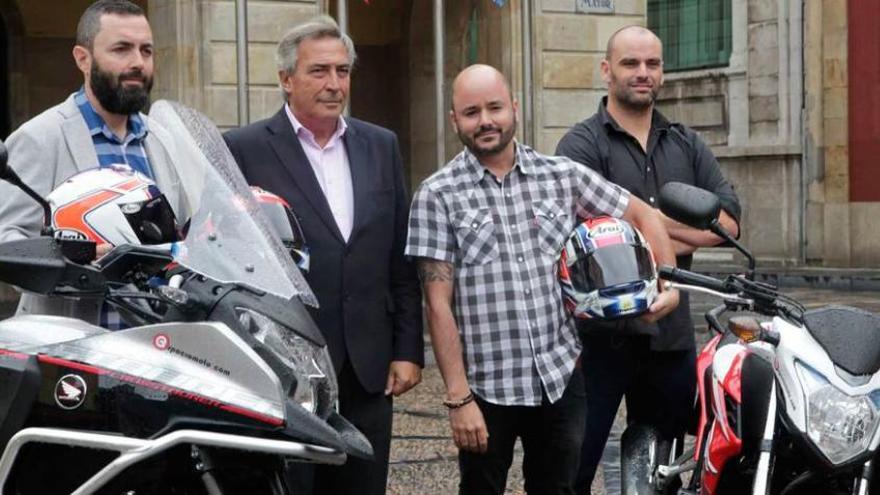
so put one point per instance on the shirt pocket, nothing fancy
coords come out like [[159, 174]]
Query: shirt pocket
[[552, 220], [475, 232]]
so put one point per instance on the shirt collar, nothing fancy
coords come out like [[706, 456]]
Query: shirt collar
[[137, 126], [298, 127], [477, 171], [658, 121]]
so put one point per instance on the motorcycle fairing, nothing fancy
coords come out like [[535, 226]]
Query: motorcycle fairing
[[727, 383], [724, 440], [704, 389], [19, 386], [797, 345], [204, 359], [719, 450], [26, 331]]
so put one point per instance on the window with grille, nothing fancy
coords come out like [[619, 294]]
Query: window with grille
[[695, 33]]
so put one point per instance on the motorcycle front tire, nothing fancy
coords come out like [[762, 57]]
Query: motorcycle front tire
[[641, 451]]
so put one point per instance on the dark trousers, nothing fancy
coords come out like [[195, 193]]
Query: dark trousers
[[659, 387], [551, 436], [371, 414]]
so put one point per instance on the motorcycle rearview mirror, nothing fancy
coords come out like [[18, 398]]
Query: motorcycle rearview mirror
[[689, 205], [699, 209], [9, 175]]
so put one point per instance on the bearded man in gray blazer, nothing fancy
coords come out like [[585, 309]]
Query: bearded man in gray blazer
[[98, 125]]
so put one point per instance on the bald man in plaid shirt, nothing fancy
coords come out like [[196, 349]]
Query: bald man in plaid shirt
[[487, 229]]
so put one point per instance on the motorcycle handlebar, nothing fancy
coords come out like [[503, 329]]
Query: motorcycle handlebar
[[690, 278]]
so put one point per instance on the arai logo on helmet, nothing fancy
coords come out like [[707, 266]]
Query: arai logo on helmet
[[606, 229], [70, 235], [70, 391]]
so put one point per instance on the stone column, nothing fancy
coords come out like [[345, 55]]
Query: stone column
[[178, 35]]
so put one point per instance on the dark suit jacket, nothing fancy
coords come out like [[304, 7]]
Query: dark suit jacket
[[370, 299]]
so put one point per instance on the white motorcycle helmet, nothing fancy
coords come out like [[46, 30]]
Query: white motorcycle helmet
[[114, 205]]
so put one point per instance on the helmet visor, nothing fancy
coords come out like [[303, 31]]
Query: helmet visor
[[151, 220], [611, 265]]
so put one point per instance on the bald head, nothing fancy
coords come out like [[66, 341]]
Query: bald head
[[484, 112], [633, 70], [629, 34], [482, 78]]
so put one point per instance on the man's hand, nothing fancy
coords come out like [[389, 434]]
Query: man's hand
[[402, 376], [664, 304], [469, 428]]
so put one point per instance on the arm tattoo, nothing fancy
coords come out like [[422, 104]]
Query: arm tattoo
[[435, 271]]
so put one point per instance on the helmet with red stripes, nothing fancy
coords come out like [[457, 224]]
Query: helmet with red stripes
[[283, 221], [114, 205], [607, 270]]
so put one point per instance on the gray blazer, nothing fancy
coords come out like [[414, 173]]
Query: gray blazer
[[44, 152]]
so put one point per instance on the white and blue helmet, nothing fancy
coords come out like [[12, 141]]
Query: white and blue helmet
[[607, 270]]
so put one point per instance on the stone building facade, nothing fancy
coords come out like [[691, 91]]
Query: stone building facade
[[777, 114]]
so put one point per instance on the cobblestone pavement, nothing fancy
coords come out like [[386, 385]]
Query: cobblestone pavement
[[423, 457]]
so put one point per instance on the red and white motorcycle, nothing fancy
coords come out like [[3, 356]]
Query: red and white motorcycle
[[788, 400]]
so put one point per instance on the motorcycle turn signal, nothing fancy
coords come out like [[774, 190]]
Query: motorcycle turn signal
[[747, 328]]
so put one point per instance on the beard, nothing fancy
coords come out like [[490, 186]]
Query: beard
[[114, 96], [630, 99], [470, 141]]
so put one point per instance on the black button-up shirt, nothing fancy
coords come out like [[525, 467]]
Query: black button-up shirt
[[674, 153]]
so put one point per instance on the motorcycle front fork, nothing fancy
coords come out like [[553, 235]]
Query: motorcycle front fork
[[863, 484], [761, 485]]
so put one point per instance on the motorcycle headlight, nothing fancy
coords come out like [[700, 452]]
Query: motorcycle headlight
[[840, 425], [307, 371]]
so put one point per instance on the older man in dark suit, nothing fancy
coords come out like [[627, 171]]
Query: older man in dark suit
[[344, 178]]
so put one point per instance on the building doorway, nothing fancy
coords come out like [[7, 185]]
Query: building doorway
[[393, 84], [380, 81]]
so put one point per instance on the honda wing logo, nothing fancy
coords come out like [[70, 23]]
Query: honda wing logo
[[70, 392]]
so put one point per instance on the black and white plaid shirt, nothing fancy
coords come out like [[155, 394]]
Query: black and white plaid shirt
[[504, 238]]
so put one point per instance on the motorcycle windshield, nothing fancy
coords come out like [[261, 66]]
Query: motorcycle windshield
[[229, 237]]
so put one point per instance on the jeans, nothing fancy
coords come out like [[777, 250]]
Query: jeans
[[660, 388], [551, 436]]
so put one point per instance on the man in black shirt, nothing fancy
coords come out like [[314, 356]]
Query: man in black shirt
[[633, 145]]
